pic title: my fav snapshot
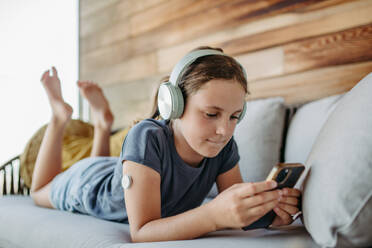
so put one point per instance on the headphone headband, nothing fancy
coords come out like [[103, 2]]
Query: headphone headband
[[189, 58]]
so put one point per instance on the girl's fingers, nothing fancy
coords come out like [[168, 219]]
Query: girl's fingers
[[263, 209], [290, 201], [291, 192], [284, 216], [262, 198], [288, 208], [250, 189]]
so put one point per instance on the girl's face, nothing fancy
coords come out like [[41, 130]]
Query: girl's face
[[209, 120]]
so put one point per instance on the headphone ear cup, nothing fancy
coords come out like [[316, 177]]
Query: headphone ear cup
[[242, 114], [178, 102], [164, 100], [170, 101]]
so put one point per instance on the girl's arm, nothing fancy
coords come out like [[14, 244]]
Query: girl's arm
[[143, 205]]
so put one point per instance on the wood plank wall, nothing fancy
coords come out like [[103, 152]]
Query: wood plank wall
[[299, 49]]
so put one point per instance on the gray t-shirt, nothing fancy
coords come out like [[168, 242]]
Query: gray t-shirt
[[93, 185], [183, 187]]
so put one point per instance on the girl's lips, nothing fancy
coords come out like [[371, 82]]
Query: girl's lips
[[216, 142]]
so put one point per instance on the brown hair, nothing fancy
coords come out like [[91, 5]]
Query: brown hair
[[201, 71]]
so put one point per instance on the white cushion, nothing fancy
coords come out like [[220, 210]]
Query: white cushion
[[337, 203], [305, 127], [259, 138]]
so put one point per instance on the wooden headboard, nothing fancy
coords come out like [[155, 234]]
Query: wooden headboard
[[300, 50]]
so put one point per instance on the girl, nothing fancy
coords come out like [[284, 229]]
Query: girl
[[167, 166]]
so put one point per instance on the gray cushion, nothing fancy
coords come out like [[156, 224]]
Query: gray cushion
[[259, 138], [337, 192], [25, 225], [305, 126], [286, 237]]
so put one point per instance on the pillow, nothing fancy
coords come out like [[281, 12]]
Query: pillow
[[259, 139], [77, 144], [75, 129], [305, 127], [337, 203]]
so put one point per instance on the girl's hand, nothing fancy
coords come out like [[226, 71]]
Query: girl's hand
[[243, 204], [287, 207]]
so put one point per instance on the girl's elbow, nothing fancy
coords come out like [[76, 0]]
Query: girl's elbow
[[142, 236], [135, 239], [134, 236], [137, 236]]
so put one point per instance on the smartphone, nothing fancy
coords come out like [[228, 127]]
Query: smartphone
[[286, 175]]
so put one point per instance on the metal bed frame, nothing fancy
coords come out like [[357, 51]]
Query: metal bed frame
[[12, 183]]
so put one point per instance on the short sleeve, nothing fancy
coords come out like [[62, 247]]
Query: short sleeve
[[229, 156], [142, 145]]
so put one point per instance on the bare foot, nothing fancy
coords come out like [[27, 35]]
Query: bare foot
[[61, 111], [101, 113]]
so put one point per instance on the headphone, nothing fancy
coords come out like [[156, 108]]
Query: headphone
[[170, 98]]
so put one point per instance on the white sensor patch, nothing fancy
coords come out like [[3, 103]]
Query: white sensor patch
[[126, 181]]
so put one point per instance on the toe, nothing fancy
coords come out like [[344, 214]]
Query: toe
[[43, 77], [54, 71]]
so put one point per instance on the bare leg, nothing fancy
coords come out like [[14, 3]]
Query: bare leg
[[101, 115], [49, 160]]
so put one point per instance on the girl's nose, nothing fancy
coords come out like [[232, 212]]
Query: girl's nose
[[222, 127]]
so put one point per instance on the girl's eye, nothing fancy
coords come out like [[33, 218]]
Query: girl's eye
[[215, 115], [211, 115]]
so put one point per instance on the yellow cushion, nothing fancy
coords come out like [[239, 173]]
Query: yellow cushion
[[77, 144]]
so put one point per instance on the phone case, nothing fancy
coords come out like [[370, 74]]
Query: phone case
[[286, 175]]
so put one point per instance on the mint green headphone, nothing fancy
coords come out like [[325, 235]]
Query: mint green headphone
[[170, 99]]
